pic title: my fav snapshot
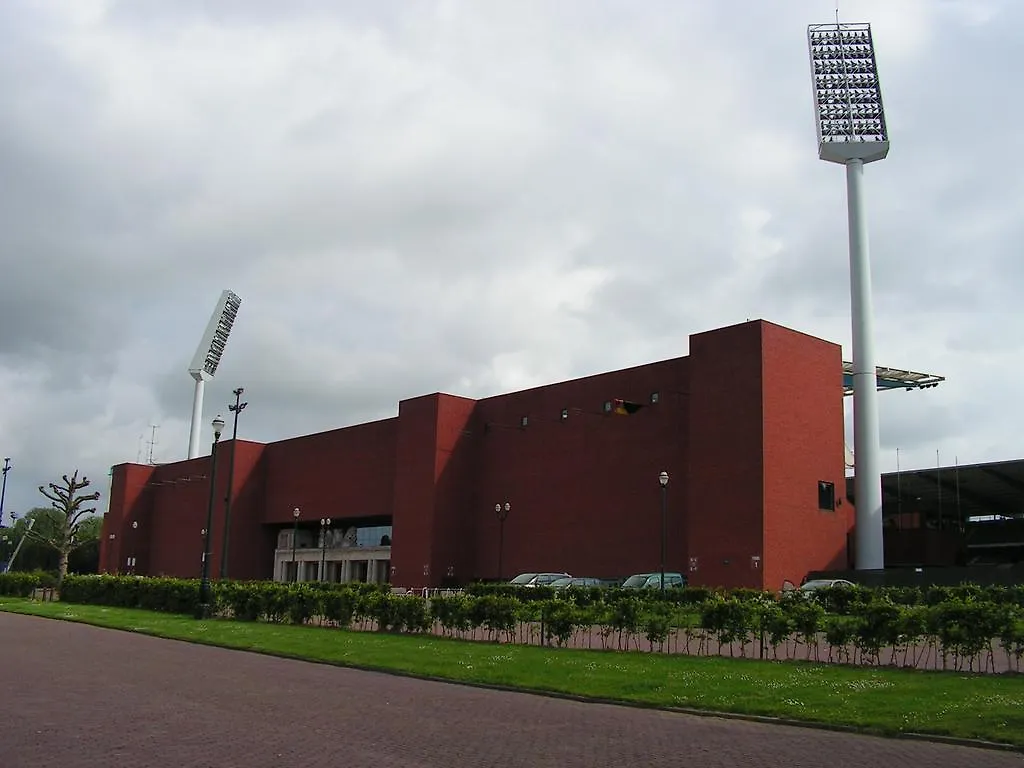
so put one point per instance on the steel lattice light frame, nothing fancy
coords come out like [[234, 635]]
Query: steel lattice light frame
[[848, 108]]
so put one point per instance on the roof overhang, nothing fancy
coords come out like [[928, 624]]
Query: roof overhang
[[893, 378]]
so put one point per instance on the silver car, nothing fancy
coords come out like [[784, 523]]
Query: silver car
[[538, 579]]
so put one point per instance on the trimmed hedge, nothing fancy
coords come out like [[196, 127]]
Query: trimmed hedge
[[19, 584], [963, 625]]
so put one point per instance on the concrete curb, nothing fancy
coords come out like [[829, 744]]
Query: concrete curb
[[691, 711]]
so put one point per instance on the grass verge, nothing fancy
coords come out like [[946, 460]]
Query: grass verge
[[876, 700]]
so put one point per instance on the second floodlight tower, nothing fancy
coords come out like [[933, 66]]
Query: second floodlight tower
[[851, 131], [207, 358]]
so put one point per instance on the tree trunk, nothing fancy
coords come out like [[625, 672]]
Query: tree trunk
[[62, 567]]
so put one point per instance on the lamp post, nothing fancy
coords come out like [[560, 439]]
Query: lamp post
[[3, 488], [202, 537], [112, 557], [203, 611], [236, 409], [325, 526], [295, 535], [663, 482], [501, 510]]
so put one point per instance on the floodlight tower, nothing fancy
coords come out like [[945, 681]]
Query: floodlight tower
[[207, 358], [851, 131]]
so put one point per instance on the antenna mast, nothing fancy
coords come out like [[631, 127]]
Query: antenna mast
[[152, 441]]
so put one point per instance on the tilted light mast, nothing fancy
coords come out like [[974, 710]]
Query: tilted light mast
[[207, 358], [851, 131]]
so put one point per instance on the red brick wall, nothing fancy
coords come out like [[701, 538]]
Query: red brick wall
[[584, 491], [414, 493], [251, 544], [726, 472], [803, 443], [128, 502], [345, 474], [454, 471], [745, 426], [178, 498]]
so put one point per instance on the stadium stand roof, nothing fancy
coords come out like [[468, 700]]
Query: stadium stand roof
[[893, 378]]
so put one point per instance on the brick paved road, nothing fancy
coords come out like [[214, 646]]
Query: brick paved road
[[77, 697]]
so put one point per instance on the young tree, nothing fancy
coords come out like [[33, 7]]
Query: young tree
[[68, 511]]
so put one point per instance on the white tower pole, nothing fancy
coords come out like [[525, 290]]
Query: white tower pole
[[851, 130], [867, 486], [195, 433]]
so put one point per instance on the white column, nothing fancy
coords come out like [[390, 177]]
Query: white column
[[870, 551], [197, 420]]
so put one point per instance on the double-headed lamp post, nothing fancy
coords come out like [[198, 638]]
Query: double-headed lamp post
[[663, 482], [501, 510], [203, 611], [325, 526], [3, 488], [296, 514], [236, 409]]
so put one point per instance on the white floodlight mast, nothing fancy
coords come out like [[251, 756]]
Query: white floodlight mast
[[207, 358], [851, 131]]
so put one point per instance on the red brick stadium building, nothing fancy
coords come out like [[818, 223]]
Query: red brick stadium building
[[749, 427]]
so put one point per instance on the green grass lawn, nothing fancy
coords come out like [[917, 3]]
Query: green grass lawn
[[878, 700]]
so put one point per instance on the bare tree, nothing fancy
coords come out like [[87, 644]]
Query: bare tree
[[68, 511]]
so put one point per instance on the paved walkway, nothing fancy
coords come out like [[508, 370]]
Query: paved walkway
[[82, 697]]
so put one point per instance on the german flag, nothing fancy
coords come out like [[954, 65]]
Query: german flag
[[622, 407]]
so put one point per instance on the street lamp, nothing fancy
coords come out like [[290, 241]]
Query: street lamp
[[202, 557], [295, 535], [501, 510], [325, 526], [663, 482], [236, 409], [3, 489], [203, 611], [111, 557]]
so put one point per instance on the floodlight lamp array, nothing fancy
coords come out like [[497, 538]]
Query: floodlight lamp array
[[215, 339], [847, 95]]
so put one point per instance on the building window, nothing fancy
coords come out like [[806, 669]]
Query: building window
[[565, 414], [826, 495], [524, 421], [374, 536], [654, 398], [607, 406]]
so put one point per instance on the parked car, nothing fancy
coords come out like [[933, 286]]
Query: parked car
[[538, 579], [653, 581], [576, 581], [815, 584]]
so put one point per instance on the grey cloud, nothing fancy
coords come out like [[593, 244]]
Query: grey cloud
[[470, 198]]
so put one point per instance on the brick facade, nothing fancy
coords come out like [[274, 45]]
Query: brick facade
[[746, 426]]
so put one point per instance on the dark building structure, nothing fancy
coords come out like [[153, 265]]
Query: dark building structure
[[749, 427]]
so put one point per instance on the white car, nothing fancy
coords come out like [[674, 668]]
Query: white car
[[815, 584]]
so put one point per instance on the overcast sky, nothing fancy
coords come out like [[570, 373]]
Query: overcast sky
[[477, 197]]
